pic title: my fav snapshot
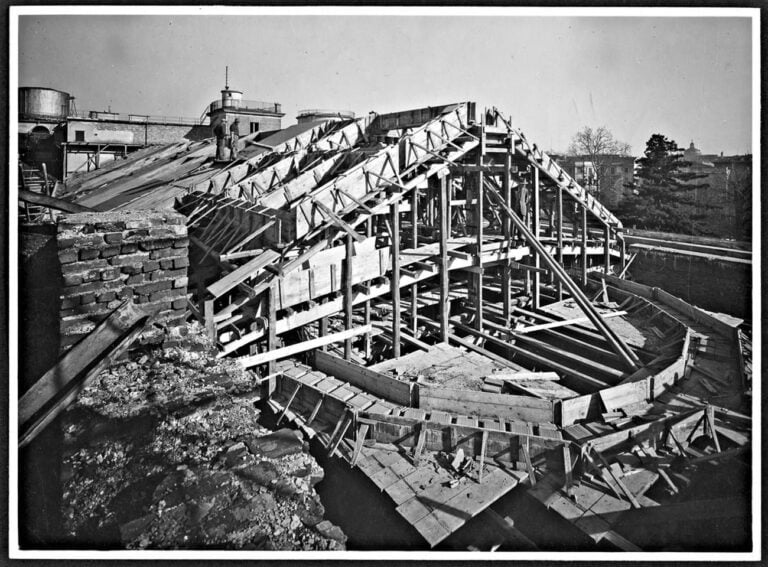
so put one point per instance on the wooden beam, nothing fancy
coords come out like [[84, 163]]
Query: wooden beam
[[288, 403], [249, 361], [566, 322], [337, 220], [414, 245], [61, 385], [348, 294], [536, 229], [559, 238], [628, 357], [445, 223], [362, 431], [395, 250], [483, 446], [506, 230], [272, 299], [479, 217], [584, 246], [51, 202], [527, 458]]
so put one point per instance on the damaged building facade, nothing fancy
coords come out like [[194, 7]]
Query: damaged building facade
[[429, 298]]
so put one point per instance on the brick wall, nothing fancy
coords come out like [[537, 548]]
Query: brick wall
[[108, 257]]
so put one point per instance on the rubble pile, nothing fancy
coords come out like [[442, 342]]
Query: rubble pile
[[165, 451]]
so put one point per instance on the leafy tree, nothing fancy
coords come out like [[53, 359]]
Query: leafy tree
[[596, 145], [740, 182], [662, 195]]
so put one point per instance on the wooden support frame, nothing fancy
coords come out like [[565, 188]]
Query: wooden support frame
[[628, 357]]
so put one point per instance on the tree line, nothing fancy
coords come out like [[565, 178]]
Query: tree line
[[662, 196]]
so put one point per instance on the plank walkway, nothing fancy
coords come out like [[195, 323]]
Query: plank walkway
[[423, 494]]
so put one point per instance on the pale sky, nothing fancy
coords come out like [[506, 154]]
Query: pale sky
[[687, 78]]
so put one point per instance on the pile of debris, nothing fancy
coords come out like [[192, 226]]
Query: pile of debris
[[165, 451]]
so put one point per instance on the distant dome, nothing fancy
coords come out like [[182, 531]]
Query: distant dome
[[692, 153]]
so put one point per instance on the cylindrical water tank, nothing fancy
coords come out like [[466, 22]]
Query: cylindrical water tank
[[39, 102], [322, 114]]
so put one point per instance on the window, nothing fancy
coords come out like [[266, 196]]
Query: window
[[626, 170], [79, 135], [254, 127]]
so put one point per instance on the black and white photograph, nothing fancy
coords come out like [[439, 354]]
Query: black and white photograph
[[360, 282]]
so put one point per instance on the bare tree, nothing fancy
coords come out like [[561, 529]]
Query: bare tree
[[596, 146]]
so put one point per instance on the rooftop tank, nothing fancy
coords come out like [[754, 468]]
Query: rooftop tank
[[320, 114], [43, 103]]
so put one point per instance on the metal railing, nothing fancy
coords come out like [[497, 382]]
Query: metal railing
[[245, 105], [141, 118]]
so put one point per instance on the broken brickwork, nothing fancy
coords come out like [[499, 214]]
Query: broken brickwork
[[109, 257]]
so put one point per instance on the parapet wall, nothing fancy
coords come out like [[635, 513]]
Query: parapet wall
[[109, 257]]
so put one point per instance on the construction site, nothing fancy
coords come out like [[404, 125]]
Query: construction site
[[409, 330]]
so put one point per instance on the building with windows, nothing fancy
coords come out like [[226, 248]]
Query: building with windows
[[52, 132], [255, 116], [615, 173]]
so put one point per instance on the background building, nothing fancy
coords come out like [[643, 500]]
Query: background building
[[618, 171], [52, 132]]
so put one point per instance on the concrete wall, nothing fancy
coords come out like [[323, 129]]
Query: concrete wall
[[109, 257], [714, 283]]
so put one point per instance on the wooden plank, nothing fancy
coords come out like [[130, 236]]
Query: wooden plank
[[467, 402], [369, 380], [249, 361], [242, 273], [524, 375], [555, 324], [61, 385]]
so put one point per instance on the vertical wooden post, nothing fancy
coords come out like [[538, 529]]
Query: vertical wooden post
[[623, 251], [210, 324], [584, 246], [445, 223], [414, 244], [323, 330], [479, 222], [506, 222], [567, 468], [560, 238], [367, 304], [272, 322], [536, 234], [395, 286], [348, 294], [607, 250]]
